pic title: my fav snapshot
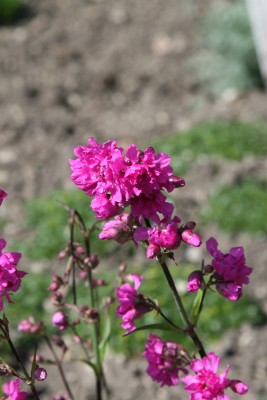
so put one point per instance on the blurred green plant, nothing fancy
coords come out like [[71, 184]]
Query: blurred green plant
[[10, 10], [46, 225], [239, 208], [230, 59], [32, 295], [232, 140]]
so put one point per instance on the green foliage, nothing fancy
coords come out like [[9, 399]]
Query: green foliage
[[10, 10], [231, 59], [32, 294], [47, 224], [232, 140], [239, 208]]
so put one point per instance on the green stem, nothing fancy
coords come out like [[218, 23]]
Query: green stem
[[99, 375], [59, 365], [17, 357], [190, 330]]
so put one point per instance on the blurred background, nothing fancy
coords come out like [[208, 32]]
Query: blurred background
[[181, 75]]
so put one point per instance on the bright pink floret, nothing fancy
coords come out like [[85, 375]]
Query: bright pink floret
[[10, 277], [12, 390], [164, 361], [133, 304], [231, 272], [205, 384]]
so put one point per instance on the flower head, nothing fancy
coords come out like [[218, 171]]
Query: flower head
[[115, 180], [165, 360], [206, 383], [10, 277], [132, 303], [230, 271], [12, 390]]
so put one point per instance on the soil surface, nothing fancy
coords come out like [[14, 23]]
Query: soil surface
[[118, 69]]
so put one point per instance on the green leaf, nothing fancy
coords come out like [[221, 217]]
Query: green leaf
[[160, 326], [106, 337], [197, 306]]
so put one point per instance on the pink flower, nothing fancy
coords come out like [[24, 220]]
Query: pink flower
[[165, 360], [167, 235], [3, 194], [12, 390], [230, 273], [132, 304], [30, 326], [195, 280], [10, 277], [205, 383], [60, 321], [118, 229]]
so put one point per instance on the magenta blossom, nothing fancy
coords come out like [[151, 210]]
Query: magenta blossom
[[12, 390], [205, 384], [10, 277], [115, 180], [132, 303], [60, 320], [3, 194], [230, 271], [167, 235], [165, 360]]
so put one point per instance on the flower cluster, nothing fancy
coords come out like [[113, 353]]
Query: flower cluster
[[10, 277], [138, 180], [165, 360], [116, 180], [230, 270]]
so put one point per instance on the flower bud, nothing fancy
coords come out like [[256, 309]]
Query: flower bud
[[238, 387], [177, 181], [195, 280], [40, 374], [60, 321]]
